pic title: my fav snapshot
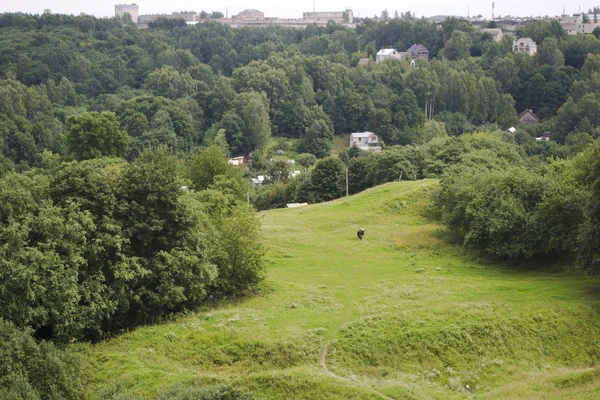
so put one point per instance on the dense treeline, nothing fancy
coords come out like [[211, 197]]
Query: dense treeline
[[181, 86]]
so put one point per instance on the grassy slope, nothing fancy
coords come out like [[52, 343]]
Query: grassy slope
[[404, 313], [340, 143]]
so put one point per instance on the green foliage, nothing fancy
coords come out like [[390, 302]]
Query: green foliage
[[549, 54], [455, 123], [327, 178], [457, 47], [433, 129], [512, 213], [590, 233], [274, 195], [540, 30], [208, 392], [167, 23], [209, 166], [103, 245], [253, 109], [154, 121], [35, 371], [238, 257], [318, 138], [306, 160], [93, 135], [168, 82], [279, 171]]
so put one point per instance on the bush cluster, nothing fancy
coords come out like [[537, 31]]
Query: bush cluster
[[102, 245], [519, 212]]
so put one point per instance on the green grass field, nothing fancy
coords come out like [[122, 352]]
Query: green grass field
[[340, 143], [402, 314]]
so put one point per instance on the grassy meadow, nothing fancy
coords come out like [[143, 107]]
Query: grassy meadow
[[402, 314], [340, 143]]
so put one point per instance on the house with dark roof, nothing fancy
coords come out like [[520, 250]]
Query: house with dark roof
[[418, 51], [528, 117]]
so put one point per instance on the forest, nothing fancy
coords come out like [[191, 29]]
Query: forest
[[118, 206]]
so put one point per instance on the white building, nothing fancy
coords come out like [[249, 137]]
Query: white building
[[257, 18], [339, 17], [365, 141], [525, 45], [132, 9], [386, 54], [190, 18], [574, 28]]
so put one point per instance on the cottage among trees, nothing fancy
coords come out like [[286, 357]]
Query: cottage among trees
[[365, 141]]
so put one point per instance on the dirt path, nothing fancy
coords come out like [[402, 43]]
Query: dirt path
[[324, 365]]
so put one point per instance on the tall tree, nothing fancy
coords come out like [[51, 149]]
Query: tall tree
[[253, 109], [327, 178], [93, 134]]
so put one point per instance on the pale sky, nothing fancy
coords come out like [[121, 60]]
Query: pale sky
[[362, 8]]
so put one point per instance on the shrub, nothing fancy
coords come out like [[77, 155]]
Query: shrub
[[512, 213], [32, 371]]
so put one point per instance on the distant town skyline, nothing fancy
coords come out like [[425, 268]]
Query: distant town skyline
[[105, 8]]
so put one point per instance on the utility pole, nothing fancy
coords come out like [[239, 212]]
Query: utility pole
[[346, 181]]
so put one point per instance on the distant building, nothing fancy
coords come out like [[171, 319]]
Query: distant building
[[339, 17], [386, 54], [574, 28], [238, 162], [525, 45], [132, 9], [189, 17], [441, 18], [418, 51], [258, 181], [47, 11], [528, 117], [365, 141], [257, 18], [496, 34], [250, 15]]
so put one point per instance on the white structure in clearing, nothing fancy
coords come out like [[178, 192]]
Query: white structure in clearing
[[386, 54], [525, 45], [365, 141]]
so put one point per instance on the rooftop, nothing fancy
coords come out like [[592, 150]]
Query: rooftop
[[361, 134]]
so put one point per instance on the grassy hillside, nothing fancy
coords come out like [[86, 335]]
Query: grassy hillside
[[340, 143], [400, 314]]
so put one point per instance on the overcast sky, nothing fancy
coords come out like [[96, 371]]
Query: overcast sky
[[101, 8]]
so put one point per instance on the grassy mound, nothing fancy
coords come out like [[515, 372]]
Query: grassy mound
[[403, 314]]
